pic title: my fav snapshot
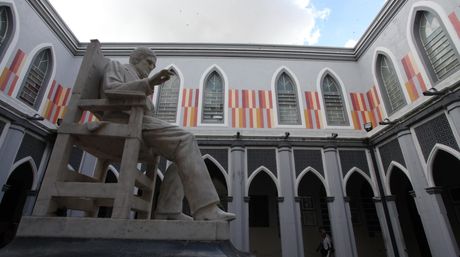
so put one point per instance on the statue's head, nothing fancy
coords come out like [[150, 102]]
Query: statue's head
[[144, 60]]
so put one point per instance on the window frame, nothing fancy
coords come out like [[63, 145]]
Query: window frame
[[203, 98], [420, 48], [46, 79], [159, 92], [296, 100], [346, 122], [383, 86]]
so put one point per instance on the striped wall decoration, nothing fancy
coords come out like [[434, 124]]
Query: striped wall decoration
[[190, 99], [366, 108], [87, 117], [312, 111], [56, 102], [415, 85], [454, 18], [10, 76], [250, 108]]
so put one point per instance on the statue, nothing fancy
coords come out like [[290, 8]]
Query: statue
[[188, 174]]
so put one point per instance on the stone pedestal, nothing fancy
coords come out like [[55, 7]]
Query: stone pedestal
[[68, 236]]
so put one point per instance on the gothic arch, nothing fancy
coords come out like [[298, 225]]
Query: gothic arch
[[390, 170], [295, 80], [203, 79], [269, 173], [314, 172], [361, 173], [432, 157]]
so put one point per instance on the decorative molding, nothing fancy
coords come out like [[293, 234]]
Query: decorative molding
[[412, 193], [434, 190], [45, 10], [347, 199], [246, 199], [280, 199], [330, 199]]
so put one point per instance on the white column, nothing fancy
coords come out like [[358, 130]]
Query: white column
[[290, 224], [437, 230], [342, 229], [239, 228]]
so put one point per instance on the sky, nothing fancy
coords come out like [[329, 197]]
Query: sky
[[338, 23]]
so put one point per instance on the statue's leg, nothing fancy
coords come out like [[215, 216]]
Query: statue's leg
[[179, 146], [171, 193]]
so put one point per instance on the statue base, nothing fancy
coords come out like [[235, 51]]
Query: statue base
[[68, 236]]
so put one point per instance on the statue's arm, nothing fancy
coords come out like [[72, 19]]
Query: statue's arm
[[114, 78]]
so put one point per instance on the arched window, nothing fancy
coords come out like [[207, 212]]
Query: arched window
[[213, 99], [286, 98], [435, 46], [168, 96], [36, 79], [390, 87], [333, 102], [6, 28]]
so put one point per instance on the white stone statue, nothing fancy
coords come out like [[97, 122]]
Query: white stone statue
[[188, 175]]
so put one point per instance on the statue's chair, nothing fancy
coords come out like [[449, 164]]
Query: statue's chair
[[67, 189]]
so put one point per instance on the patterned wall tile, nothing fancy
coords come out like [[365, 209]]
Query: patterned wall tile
[[190, 99], [312, 110], [415, 85], [10, 76]]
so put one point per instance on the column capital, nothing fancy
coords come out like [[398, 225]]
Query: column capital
[[347, 199], [404, 132], [229, 199], [237, 148], [330, 148], [246, 199], [412, 193], [389, 198], [434, 190], [280, 199], [453, 106], [330, 199]]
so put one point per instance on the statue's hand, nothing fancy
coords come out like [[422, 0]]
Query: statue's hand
[[160, 77]]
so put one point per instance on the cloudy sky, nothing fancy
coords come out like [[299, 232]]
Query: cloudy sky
[[293, 22]]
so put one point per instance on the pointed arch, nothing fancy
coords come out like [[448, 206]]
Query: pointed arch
[[269, 173], [12, 35], [114, 171], [33, 167], [302, 174], [442, 62], [432, 157], [388, 78], [221, 169], [213, 113], [361, 173], [288, 102], [168, 96], [389, 172], [334, 99], [41, 64]]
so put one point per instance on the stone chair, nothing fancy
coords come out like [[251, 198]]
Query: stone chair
[[66, 189]]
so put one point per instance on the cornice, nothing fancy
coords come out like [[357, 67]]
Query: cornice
[[45, 10], [383, 18]]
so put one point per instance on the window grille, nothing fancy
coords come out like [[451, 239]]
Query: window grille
[[333, 102], [213, 99], [390, 88], [6, 28], [36, 79], [288, 109], [437, 46], [168, 97]]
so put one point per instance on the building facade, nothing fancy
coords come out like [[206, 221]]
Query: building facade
[[362, 141]]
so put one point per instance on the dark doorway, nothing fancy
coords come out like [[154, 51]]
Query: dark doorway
[[409, 219], [314, 212], [219, 182], [446, 174], [366, 226], [17, 186], [264, 233]]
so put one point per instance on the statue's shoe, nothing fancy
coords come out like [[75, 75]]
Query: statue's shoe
[[173, 216], [213, 213]]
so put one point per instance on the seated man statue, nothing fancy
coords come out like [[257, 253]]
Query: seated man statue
[[188, 175]]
